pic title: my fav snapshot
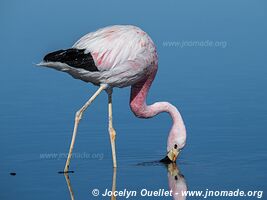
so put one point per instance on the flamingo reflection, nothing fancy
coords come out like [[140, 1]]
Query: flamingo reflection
[[176, 181]]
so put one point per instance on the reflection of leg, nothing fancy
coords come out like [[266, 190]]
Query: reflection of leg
[[113, 197], [78, 117], [69, 186], [112, 132]]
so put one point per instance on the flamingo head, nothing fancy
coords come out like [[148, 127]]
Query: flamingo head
[[176, 142], [172, 155]]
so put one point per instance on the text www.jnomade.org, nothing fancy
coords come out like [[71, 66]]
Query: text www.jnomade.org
[[83, 155], [189, 193]]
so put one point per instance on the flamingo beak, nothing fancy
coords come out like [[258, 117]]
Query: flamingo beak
[[171, 156]]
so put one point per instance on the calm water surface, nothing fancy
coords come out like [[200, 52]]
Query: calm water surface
[[220, 91]]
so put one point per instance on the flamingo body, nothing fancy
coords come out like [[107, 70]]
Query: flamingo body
[[122, 56]]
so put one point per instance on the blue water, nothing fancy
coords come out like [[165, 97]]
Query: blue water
[[219, 89]]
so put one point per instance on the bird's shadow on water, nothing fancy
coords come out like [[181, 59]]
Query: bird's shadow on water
[[176, 180]]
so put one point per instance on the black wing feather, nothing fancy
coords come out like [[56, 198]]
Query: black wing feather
[[73, 57]]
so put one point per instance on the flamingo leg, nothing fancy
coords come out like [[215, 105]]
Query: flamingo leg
[[112, 132], [78, 117]]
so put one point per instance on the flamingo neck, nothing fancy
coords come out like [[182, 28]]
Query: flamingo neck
[[139, 107]]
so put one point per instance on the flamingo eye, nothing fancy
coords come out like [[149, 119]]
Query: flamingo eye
[[175, 146]]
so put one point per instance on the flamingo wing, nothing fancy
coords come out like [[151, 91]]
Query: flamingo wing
[[116, 55]]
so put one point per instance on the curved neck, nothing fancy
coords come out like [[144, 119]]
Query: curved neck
[[139, 93], [139, 107]]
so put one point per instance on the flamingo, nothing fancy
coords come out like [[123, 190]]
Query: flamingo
[[118, 56]]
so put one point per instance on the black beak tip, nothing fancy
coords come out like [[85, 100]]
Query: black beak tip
[[166, 160]]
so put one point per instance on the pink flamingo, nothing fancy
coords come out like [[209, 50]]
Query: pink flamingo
[[118, 56]]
